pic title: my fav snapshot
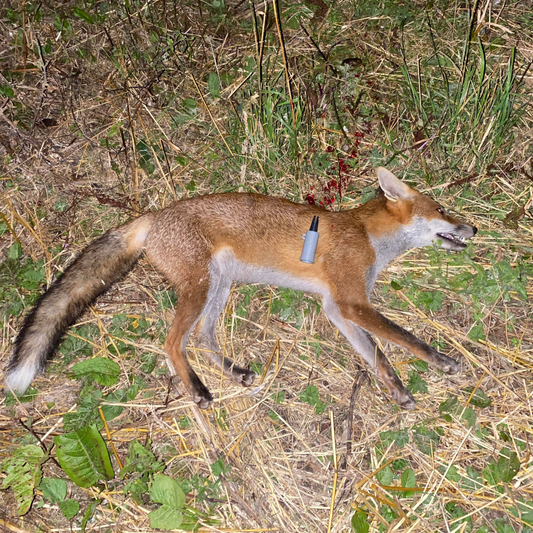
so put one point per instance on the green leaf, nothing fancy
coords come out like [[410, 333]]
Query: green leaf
[[469, 415], [6, 90], [450, 405], [165, 517], [452, 474], [426, 439], [83, 456], [54, 489], [508, 465], [479, 399], [416, 383], [395, 285], [15, 251], [191, 186], [87, 413], [385, 476], [400, 437], [477, 333], [70, 508], [523, 510], [472, 482], [419, 365], [189, 104], [23, 474], [89, 512], [399, 464], [359, 522], [167, 491], [136, 488], [141, 460], [491, 474], [219, 467], [279, 396], [505, 469], [83, 15], [310, 396], [214, 85], [408, 480], [100, 369], [149, 363]]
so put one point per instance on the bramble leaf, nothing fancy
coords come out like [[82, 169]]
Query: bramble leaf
[[23, 471]]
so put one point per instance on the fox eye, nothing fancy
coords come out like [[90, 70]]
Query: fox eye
[[440, 210]]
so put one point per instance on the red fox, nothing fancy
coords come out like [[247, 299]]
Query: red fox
[[202, 245]]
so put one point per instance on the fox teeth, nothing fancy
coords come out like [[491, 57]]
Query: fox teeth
[[452, 237]]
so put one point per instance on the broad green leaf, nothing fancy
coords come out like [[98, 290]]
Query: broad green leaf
[[219, 467], [70, 508], [523, 510], [54, 489], [359, 522], [426, 439], [508, 465], [83, 456], [408, 480], [15, 251], [450, 405], [385, 476], [400, 437], [470, 416], [452, 474], [99, 369], [6, 90], [165, 517], [167, 491], [23, 471]]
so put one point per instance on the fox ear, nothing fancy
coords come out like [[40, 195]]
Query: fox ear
[[393, 188]]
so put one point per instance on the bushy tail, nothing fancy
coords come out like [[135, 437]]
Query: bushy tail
[[102, 263]]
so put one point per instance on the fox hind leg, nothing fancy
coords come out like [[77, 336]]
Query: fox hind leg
[[219, 290], [190, 305]]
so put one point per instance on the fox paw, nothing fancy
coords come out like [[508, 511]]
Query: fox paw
[[243, 376], [404, 399], [443, 362], [451, 367], [203, 401]]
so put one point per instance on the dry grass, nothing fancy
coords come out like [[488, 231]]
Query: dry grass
[[97, 131]]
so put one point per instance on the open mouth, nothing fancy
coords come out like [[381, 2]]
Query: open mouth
[[455, 239]]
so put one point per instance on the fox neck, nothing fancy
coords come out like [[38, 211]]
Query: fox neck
[[389, 245]]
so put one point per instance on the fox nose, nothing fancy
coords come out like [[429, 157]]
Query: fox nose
[[475, 229]]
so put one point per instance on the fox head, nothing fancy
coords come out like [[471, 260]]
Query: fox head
[[423, 221]]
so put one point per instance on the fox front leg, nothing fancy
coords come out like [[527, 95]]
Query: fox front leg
[[368, 350], [375, 323]]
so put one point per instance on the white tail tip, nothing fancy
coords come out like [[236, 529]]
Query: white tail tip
[[19, 379]]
